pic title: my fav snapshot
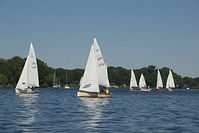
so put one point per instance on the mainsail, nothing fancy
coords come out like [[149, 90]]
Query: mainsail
[[159, 80], [29, 76], [90, 81], [142, 82], [170, 81], [133, 82], [101, 66]]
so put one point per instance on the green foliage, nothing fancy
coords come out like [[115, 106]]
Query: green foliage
[[191, 82], [118, 76], [11, 69]]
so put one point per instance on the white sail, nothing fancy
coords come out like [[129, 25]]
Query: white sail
[[133, 82], [29, 76], [142, 82], [101, 66], [90, 81], [159, 80], [170, 81]]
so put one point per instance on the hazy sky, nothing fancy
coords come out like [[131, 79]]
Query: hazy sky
[[131, 33]]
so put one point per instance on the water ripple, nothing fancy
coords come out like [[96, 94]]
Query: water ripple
[[59, 110]]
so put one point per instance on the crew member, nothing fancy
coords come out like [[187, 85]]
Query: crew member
[[107, 91]]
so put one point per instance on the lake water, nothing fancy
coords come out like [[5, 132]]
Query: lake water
[[59, 110]]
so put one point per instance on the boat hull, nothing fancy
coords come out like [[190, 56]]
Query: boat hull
[[26, 91], [145, 89], [169, 89], [91, 94]]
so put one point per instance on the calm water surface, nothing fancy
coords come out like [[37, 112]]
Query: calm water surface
[[59, 110]]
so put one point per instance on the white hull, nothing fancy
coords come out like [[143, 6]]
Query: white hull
[[66, 87], [91, 94], [157, 89], [26, 91], [169, 89]]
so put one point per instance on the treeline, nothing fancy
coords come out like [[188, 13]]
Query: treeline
[[11, 69]]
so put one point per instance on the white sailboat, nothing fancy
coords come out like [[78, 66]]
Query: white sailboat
[[55, 85], [142, 84], [159, 81], [95, 75], [170, 81], [66, 86], [29, 77], [133, 82]]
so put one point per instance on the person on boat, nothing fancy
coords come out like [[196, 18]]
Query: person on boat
[[107, 91], [29, 89], [102, 91]]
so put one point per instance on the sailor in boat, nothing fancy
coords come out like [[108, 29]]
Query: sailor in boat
[[107, 91], [29, 89], [104, 91]]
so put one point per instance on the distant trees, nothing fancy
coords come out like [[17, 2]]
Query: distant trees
[[121, 76], [10, 71], [191, 82]]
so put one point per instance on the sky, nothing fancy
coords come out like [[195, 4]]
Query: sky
[[131, 33]]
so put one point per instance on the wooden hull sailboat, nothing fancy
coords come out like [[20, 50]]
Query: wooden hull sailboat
[[95, 75], [93, 94], [29, 76]]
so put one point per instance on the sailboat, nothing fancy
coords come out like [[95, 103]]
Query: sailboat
[[29, 77], [133, 82], [170, 81], [159, 81], [142, 84], [55, 85], [66, 86], [95, 75]]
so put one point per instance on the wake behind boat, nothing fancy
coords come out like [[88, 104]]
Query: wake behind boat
[[95, 75], [29, 77]]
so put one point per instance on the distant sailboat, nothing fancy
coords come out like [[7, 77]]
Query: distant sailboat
[[142, 84], [29, 77], [133, 82], [159, 81], [66, 86], [55, 85], [95, 75], [170, 81]]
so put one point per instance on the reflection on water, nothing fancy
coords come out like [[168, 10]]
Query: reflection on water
[[59, 111], [95, 109], [26, 111]]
